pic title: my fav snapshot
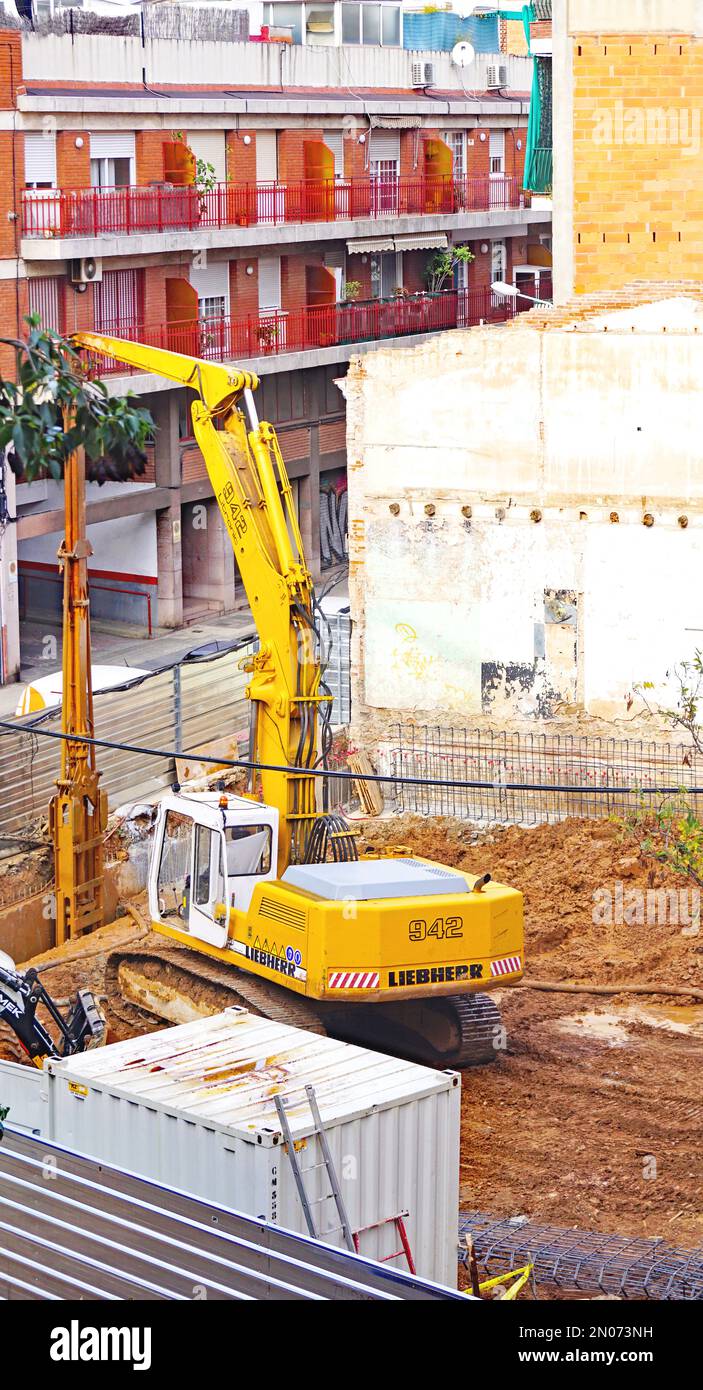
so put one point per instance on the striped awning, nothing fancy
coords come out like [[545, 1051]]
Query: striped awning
[[363, 245], [421, 241]]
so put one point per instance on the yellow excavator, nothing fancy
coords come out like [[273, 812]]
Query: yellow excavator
[[394, 952]]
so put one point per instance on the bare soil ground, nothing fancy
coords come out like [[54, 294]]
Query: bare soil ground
[[593, 1116]]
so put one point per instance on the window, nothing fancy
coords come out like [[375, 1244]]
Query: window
[[248, 850], [456, 140], [386, 273], [46, 300], [287, 17], [371, 24], [40, 159], [118, 300], [173, 883], [201, 866], [499, 260], [496, 151], [390, 26], [110, 173], [351, 23], [213, 306]]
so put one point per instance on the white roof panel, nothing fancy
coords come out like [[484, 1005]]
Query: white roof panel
[[224, 1071]]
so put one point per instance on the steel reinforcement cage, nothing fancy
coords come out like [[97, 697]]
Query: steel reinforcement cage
[[519, 772]]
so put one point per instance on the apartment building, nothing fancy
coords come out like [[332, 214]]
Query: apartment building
[[276, 204]]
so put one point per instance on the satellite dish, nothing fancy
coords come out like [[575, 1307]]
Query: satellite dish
[[463, 54]]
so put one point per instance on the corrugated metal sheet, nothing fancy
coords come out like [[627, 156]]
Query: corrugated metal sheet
[[193, 1107], [100, 1233], [181, 708]]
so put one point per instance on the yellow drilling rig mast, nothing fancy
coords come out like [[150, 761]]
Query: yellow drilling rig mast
[[78, 811]]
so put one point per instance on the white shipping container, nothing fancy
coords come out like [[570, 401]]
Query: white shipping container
[[193, 1107]]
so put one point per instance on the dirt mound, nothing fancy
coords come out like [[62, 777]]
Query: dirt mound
[[588, 916]]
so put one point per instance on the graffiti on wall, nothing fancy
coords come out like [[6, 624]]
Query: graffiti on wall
[[334, 542]]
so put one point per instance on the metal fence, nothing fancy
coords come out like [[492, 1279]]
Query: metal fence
[[73, 1228], [183, 707], [519, 770]]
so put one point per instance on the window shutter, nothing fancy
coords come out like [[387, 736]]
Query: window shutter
[[112, 144], [334, 140], [40, 158], [385, 144], [270, 282], [211, 281]]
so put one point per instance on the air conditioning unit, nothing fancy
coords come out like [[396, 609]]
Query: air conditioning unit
[[422, 75], [496, 76], [86, 270]]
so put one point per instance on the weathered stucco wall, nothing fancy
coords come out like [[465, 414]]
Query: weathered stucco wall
[[526, 518]]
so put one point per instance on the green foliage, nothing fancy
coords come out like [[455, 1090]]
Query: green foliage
[[205, 176], [351, 289], [440, 266], [670, 833], [51, 387]]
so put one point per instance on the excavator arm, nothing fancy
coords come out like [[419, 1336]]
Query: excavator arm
[[250, 482], [22, 993]]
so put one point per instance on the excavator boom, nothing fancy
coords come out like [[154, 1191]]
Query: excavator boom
[[253, 492]]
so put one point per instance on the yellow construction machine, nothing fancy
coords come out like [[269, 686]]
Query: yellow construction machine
[[395, 952]]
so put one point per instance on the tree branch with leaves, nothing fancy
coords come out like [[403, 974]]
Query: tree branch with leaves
[[55, 406]]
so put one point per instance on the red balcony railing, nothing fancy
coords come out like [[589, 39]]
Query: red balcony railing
[[333, 325], [95, 211]]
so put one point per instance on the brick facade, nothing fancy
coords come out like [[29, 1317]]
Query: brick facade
[[638, 159]]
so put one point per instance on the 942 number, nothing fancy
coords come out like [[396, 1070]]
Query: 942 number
[[442, 928]]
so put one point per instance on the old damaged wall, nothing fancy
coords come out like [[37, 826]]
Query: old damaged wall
[[501, 568]]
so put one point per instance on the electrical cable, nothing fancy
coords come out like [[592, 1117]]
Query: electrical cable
[[394, 779]]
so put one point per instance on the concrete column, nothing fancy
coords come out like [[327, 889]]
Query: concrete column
[[169, 558], [309, 507], [164, 409], [220, 559]]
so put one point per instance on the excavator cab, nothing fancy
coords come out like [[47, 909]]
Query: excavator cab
[[210, 852]]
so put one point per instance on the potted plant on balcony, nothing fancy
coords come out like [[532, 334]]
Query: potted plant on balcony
[[268, 336], [350, 292], [440, 267]]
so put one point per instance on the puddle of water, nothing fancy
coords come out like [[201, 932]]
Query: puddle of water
[[611, 1026], [606, 1027]]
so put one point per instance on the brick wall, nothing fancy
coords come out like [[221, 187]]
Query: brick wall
[[13, 308], [293, 279], [72, 165], [355, 157], [243, 288], [291, 156], [241, 158], [514, 157], [149, 156], [414, 263], [480, 266], [78, 308], [477, 158], [638, 159], [10, 67], [359, 268]]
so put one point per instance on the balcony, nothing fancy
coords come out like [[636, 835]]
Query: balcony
[[339, 326], [92, 212]]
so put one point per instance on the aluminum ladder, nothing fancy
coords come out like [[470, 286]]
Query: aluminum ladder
[[328, 1163]]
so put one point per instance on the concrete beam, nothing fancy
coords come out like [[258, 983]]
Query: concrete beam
[[245, 239], [132, 503]]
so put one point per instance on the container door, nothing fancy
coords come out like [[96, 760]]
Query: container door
[[208, 915]]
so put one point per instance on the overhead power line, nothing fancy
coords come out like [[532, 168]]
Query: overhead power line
[[396, 779]]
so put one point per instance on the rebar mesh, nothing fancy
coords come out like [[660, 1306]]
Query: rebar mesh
[[596, 777], [574, 1261]]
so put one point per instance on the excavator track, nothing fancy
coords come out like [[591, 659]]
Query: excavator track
[[179, 985], [462, 1030]]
